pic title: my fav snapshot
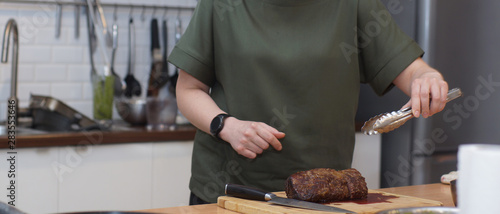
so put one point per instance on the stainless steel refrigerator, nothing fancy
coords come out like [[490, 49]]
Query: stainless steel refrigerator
[[461, 39]]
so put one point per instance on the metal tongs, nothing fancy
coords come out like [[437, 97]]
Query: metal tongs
[[387, 122]]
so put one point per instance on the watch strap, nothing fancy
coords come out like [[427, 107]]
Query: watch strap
[[217, 124]]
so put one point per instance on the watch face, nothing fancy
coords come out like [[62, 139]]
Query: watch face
[[216, 125]]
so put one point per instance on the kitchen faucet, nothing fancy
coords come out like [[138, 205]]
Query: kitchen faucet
[[11, 27]]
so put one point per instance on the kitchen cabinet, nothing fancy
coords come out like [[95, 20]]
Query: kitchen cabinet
[[36, 183], [367, 158], [102, 177]]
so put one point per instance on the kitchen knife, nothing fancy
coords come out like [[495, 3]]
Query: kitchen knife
[[260, 195], [156, 79]]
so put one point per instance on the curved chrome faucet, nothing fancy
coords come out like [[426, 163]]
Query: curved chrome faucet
[[11, 27]]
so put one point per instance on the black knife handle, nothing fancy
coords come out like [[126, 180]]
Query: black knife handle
[[245, 192], [155, 40], [164, 30]]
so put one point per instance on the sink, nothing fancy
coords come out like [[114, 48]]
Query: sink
[[22, 131]]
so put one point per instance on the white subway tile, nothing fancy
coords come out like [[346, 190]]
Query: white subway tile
[[87, 91], [26, 73], [82, 39], [34, 54], [50, 73], [79, 73], [5, 70], [4, 91], [46, 36], [67, 91], [121, 70], [82, 107], [26, 89], [3, 108], [72, 54]]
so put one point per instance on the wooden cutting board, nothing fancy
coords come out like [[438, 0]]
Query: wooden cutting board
[[376, 201]]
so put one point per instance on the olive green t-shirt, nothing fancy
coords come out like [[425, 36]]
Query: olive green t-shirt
[[295, 65]]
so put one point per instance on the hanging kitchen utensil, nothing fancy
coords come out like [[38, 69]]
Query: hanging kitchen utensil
[[166, 70], [91, 38], [101, 40], [387, 122], [58, 20], [118, 85], [157, 78], [103, 85], [107, 36], [178, 34], [132, 86], [77, 20]]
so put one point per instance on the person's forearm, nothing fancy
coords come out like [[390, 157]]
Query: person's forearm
[[195, 103], [247, 138], [412, 72]]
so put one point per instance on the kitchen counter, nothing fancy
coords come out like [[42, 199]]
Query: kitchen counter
[[438, 192], [121, 133]]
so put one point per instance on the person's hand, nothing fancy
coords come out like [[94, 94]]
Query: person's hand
[[250, 138], [428, 94]]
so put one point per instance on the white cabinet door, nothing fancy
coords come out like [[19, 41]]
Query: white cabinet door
[[171, 174], [36, 184], [106, 177], [367, 154]]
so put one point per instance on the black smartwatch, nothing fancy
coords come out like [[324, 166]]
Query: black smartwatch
[[217, 124]]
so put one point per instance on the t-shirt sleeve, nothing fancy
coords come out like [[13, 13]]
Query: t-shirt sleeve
[[194, 53], [384, 50]]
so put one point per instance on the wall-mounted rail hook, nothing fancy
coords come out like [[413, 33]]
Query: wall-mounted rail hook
[[115, 16], [154, 12], [130, 13], [164, 17], [179, 14], [58, 20], [143, 13]]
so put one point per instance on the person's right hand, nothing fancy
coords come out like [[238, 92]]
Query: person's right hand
[[250, 138]]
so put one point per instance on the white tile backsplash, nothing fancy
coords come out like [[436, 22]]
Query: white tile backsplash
[[60, 67], [78, 73], [67, 91], [33, 54], [50, 73], [25, 90], [67, 55], [28, 71]]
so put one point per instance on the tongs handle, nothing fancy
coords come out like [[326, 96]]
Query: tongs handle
[[452, 94]]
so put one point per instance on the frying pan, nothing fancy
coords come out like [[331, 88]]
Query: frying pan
[[50, 114]]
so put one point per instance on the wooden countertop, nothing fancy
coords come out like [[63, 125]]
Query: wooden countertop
[[438, 192], [120, 134]]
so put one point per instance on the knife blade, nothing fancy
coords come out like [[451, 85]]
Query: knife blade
[[251, 193]]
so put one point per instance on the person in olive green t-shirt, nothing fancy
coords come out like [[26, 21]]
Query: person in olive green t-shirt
[[287, 73]]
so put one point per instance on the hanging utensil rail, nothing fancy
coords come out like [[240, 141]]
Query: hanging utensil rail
[[64, 3]]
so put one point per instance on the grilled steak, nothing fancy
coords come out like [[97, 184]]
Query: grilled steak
[[325, 185]]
